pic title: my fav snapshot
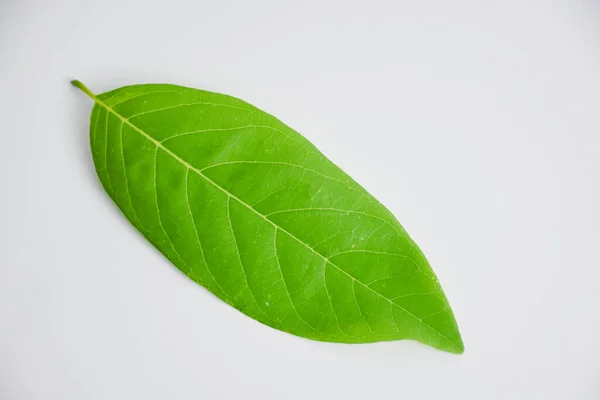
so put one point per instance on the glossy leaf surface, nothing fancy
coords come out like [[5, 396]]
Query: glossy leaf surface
[[251, 210]]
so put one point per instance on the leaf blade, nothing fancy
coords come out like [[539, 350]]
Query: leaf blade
[[297, 244]]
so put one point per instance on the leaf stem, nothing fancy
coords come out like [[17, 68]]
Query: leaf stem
[[84, 89]]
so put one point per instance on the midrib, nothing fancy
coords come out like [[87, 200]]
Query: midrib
[[229, 194]]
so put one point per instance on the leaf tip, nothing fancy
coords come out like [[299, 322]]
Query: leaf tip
[[459, 347], [455, 345]]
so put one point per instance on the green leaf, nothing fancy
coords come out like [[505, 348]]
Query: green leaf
[[252, 211]]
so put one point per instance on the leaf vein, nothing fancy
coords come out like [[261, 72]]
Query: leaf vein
[[240, 258], [286, 287], [360, 311], [126, 178], [158, 211], [186, 105], [191, 214], [274, 163], [106, 157]]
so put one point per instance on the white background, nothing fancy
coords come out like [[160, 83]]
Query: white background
[[476, 122]]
